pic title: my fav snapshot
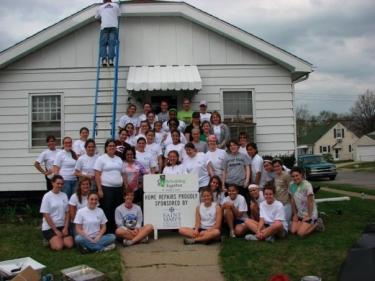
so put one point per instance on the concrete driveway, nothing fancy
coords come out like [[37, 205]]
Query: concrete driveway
[[362, 179]]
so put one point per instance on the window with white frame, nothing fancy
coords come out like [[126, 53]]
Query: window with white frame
[[45, 118], [238, 103]]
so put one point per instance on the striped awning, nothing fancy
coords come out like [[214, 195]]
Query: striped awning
[[152, 78]]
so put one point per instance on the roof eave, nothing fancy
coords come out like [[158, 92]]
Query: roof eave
[[85, 16]]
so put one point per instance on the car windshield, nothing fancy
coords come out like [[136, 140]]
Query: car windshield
[[313, 160]]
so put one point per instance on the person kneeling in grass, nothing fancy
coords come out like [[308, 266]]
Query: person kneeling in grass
[[304, 211], [129, 220], [271, 218], [207, 221], [90, 224], [235, 212], [256, 197]]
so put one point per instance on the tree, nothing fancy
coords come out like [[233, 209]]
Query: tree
[[303, 117], [363, 113]]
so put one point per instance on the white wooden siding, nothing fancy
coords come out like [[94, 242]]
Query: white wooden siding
[[67, 66]]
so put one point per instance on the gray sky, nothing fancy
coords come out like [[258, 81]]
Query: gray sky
[[337, 36]]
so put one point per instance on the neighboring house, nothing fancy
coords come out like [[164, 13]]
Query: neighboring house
[[365, 148], [47, 81], [336, 140]]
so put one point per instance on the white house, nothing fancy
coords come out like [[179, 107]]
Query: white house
[[47, 81], [365, 148], [334, 139]]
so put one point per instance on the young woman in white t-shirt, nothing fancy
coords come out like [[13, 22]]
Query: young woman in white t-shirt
[[235, 211], [256, 163], [304, 210], [215, 185], [79, 145], [54, 208], [220, 130], [271, 218], [46, 159], [85, 164], [155, 150], [79, 199], [130, 129], [173, 165], [208, 216], [144, 157], [109, 181], [176, 145], [90, 227], [64, 165]]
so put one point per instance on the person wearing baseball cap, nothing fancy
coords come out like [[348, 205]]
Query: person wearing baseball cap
[[204, 115]]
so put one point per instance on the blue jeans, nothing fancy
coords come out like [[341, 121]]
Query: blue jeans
[[108, 37], [69, 187], [106, 240]]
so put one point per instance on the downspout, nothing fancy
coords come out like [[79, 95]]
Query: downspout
[[300, 79]]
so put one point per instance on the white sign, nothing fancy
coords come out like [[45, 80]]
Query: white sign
[[170, 200]]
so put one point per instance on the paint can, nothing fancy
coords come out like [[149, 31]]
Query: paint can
[[311, 278]]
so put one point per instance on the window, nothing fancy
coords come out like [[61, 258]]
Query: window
[[350, 148], [238, 104], [324, 149], [338, 133], [45, 118]]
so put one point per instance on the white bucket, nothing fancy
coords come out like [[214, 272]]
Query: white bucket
[[311, 278]]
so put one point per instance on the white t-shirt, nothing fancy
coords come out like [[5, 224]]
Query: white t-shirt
[[180, 148], [125, 119], [73, 201], [273, 212], [66, 163], [146, 159], [261, 197], [174, 170], [205, 117], [109, 13], [131, 140], [256, 166], [91, 220], [217, 131], [239, 203], [207, 215], [130, 218], [56, 206], [181, 126], [216, 158], [168, 139], [198, 166], [111, 168], [155, 150], [143, 117], [85, 164], [47, 157], [79, 147], [159, 136]]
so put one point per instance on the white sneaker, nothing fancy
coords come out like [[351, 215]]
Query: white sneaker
[[110, 247], [231, 234], [127, 243], [320, 225], [251, 237], [189, 241], [104, 62], [110, 62]]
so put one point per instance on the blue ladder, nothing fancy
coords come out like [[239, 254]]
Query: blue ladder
[[98, 91]]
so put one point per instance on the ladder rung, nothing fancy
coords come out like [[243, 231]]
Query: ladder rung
[[106, 79], [104, 103], [102, 129], [105, 91]]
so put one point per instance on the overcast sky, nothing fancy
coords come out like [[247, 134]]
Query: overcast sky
[[336, 36]]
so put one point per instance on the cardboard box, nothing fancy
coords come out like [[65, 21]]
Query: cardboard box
[[82, 273], [11, 268], [28, 274]]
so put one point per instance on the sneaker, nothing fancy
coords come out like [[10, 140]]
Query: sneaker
[[189, 241], [320, 225], [231, 234], [270, 239], [83, 250], [104, 62], [127, 243], [110, 62], [109, 247], [251, 237], [144, 240]]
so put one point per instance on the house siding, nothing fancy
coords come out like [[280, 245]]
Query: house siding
[[67, 67]]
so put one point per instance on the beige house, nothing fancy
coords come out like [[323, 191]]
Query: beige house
[[336, 140], [365, 148]]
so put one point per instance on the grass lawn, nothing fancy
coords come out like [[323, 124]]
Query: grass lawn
[[346, 187], [320, 254], [24, 240], [361, 167]]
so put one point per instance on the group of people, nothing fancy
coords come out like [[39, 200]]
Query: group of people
[[98, 198]]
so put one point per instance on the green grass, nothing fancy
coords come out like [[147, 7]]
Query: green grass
[[361, 167], [25, 240], [319, 254], [346, 187]]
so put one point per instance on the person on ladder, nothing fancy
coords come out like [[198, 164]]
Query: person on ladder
[[108, 12]]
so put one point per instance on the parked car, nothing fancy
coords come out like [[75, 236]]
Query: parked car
[[316, 167]]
